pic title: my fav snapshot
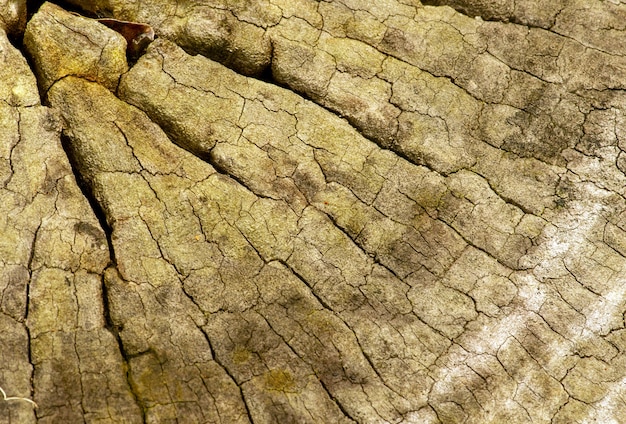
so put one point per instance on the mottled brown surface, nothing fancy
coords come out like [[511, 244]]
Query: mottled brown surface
[[315, 211]]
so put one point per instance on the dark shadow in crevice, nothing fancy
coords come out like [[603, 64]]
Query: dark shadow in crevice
[[19, 44], [108, 321], [87, 191], [32, 6], [267, 76]]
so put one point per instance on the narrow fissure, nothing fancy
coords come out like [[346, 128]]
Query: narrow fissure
[[26, 312], [336, 402], [101, 217], [311, 364], [85, 188], [114, 330], [227, 371]]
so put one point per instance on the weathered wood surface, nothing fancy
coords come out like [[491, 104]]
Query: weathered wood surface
[[314, 211]]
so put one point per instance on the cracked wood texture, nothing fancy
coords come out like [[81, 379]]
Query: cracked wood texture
[[302, 211]]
